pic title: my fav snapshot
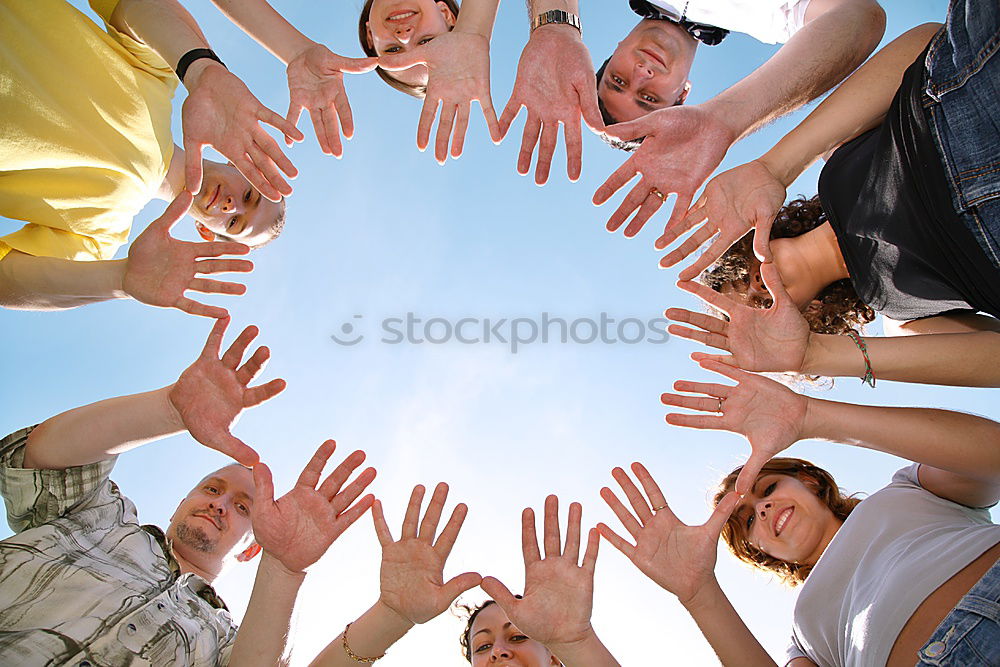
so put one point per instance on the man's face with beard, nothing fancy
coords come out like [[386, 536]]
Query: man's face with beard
[[214, 518]]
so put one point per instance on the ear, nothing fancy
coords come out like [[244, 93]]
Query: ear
[[204, 232], [684, 94], [446, 12], [249, 553], [368, 35]]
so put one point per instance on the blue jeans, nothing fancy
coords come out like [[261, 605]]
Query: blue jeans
[[963, 83], [970, 634]]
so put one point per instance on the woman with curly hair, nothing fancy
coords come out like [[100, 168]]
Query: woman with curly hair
[[908, 574], [906, 212]]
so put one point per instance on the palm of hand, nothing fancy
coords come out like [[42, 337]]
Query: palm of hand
[[774, 339], [297, 528], [768, 414], [213, 111], [680, 151], [742, 198], [209, 397], [459, 66], [412, 580], [550, 66], [159, 268], [678, 557], [556, 607], [314, 77]]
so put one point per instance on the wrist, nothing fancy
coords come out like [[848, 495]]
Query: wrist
[[391, 618], [725, 116], [117, 268], [562, 30], [783, 171], [200, 70], [173, 422], [587, 651], [704, 598], [278, 573]]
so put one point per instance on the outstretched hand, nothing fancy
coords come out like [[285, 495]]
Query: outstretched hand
[[220, 111], [555, 83], [771, 339], [212, 393], [558, 592], [734, 202], [299, 527], [160, 268], [678, 557], [316, 83], [769, 415], [682, 146], [458, 66], [412, 574]]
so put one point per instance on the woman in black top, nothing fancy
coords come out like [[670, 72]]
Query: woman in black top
[[887, 233]]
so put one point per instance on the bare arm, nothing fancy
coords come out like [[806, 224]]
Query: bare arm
[[49, 283], [263, 637], [264, 24], [837, 37], [941, 324]]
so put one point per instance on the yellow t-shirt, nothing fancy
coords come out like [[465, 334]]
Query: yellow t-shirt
[[84, 129]]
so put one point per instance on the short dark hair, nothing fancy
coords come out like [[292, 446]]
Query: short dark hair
[[273, 231], [473, 611], [415, 91]]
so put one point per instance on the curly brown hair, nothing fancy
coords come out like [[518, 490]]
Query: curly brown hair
[[472, 611], [415, 91], [826, 489], [837, 309]]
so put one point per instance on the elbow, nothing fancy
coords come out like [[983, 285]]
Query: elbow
[[870, 24]]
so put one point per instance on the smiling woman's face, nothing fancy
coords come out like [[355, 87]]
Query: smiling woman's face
[[493, 639], [397, 26]]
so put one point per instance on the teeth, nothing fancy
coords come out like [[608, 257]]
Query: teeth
[[781, 522], [400, 17]]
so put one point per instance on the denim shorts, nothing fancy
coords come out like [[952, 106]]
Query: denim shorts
[[969, 636], [963, 84]]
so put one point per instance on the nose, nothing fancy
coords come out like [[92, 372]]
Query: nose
[[642, 70], [763, 508], [217, 506], [404, 33], [500, 652]]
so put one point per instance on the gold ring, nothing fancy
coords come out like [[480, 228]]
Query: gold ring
[[661, 507], [719, 409], [654, 191]]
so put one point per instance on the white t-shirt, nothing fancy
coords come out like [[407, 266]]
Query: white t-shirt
[[896, 548], [769, 21]]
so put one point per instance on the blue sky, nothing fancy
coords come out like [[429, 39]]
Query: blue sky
[[386, 231]]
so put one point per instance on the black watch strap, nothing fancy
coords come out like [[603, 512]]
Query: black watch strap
[[195, 54]]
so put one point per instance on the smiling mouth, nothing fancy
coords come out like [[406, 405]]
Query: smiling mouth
[[209, 519], [781, 519], [401, 15], [653, 56], [215, 195]]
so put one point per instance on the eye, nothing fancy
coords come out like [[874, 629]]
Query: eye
[[770, 489], [243, 508], [425, 40], [231, 223], [750, 518], [483, 648], [519, 638], [650, 99], [212, 489], [393, 49], [246, 197], [618, 80]]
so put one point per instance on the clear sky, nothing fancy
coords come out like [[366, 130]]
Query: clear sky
[[386, 231]]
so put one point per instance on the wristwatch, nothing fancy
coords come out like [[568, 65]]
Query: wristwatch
[[556, 16]]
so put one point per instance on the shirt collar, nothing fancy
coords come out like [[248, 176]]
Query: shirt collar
[[709, 35]]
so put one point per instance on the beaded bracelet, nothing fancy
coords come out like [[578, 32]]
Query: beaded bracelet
[[354, 656], [869, 378]]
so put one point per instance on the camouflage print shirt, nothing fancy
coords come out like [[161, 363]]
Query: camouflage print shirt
[[83, 583]]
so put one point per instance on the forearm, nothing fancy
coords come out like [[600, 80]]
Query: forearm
[[478, 16], [587, 652], [960, 443], [266, 628], [815, 59], [858, 105], [259, 20], [725, 631], [49, 283], [101, 430], [961, 360], [370, 635]]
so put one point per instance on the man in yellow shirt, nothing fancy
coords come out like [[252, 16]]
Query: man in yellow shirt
[[85, 143]]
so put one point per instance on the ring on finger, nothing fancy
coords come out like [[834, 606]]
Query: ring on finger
[[719, 408], [660, 507], [654, 191]]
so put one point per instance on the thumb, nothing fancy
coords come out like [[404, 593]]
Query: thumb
[[176, 210], [192, 165], [762, 240], [499, 592], [397, 61], [590, 111], [459, 584], [358, 65], [243, 453], [722, 512], [748, 475], [263, 485], [628, 130], [772, 281]]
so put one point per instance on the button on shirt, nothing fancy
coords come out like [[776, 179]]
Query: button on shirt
[[768, 21], [83, 583]]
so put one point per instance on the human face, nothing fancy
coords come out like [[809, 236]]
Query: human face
[[494, 640], [750, 291], [213, 520], [396, 26], [784, 518], [227, 204], [648, 71]]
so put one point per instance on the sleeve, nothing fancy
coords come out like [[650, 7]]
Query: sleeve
[[143, 55], [794, 651], [34, 497], [907, 476], [41, 240], [795, 16]]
